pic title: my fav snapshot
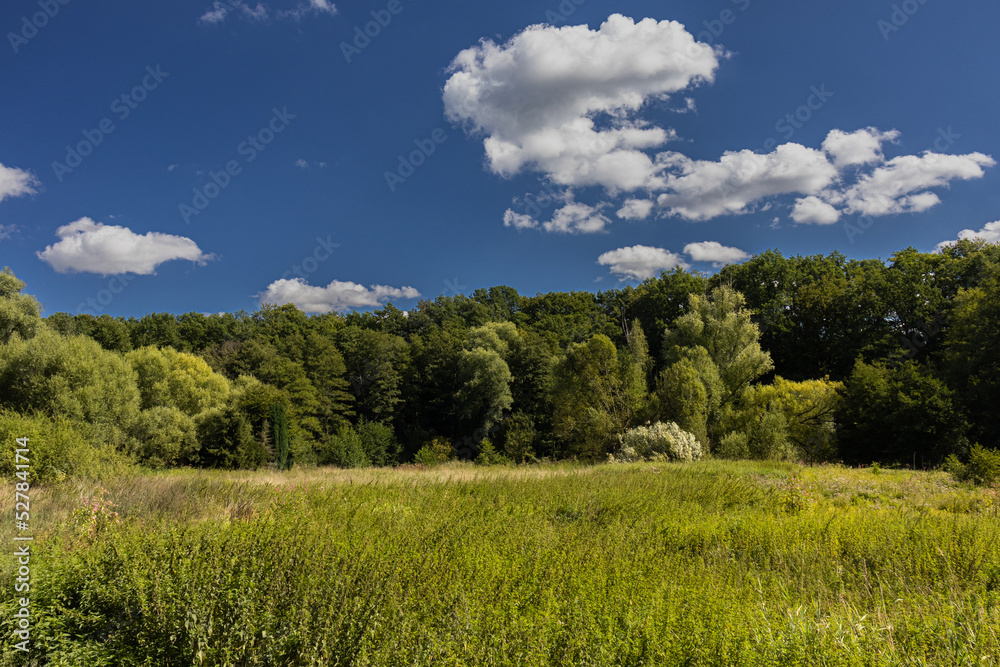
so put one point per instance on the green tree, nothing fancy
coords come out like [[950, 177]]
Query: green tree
[[721, 346], [379, 443], [19, 313], [167, 377], [375, 364], [70, 377], [226, 441], [972, 356], [165, 436], [590, 406], [484, 392], [279, 420], [898, 415]]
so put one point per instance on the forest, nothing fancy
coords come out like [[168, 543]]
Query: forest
[[813, 359]]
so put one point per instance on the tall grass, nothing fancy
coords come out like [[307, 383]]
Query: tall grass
[[710, 563]]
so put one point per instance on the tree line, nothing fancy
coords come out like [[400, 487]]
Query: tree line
[[816, 358]]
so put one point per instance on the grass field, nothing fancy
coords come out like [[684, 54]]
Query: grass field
[[712, 563]]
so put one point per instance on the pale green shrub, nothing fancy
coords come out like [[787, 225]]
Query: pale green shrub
[[658, 442]]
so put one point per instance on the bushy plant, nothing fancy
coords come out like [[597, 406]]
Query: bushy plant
[[226, 440], [345, 449], [488, 455], [378, 441], [58, 449], [658, 442], [435, 452], [983, 467], [164, 436], [95, 515]]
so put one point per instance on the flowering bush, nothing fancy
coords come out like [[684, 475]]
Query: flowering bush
[[96, 514], [659, 442]]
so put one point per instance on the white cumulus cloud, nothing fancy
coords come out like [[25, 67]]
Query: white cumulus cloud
[[337, 296], [518, 220], [813, 210], [860, 147], [702, 189], [989, 233], [86, 246], [16, 182], [640, 262], [902, 184], [577, 218], [635, 209], [714, 252], [560, 100]]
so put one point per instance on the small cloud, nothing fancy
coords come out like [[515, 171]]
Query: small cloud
[[576, 218], [640, 262], [989, 233], [6, 231], [860, 147], [337, 296], [86, 246], [219, 11], [518, 220], [16, 182], [301, 164], [173, 167], [813, 210], [635, 209], [714, 252]]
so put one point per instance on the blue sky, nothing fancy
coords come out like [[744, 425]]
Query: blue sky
[[239, 151]]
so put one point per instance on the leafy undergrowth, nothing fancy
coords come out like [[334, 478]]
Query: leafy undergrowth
[[709, 563]]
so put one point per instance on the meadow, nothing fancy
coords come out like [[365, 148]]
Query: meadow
[[706, 563]]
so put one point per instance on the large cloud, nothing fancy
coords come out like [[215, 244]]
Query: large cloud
[[640, 261], [902, 184], [702, 189], [91, 247], [566, 102], [16, 182], [559, 100], [337, 296], [989, 233]]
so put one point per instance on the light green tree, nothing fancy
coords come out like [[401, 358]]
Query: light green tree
[[714, 345], [19, 313], [168, 378]]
